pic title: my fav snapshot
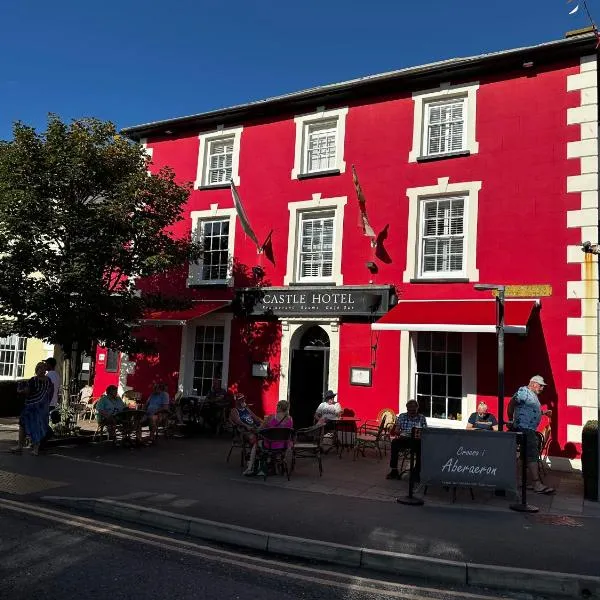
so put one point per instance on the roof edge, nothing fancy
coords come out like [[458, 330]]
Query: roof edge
[[545, 53]]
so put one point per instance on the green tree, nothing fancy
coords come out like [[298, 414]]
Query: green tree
[[80, 221]]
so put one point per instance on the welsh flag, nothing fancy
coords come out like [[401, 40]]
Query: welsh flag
[[362, 206], [241, 213]]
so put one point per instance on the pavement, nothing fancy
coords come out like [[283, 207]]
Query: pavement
[[352, 504]]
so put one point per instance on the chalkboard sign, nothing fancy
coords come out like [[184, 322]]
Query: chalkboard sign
[[469, 458]]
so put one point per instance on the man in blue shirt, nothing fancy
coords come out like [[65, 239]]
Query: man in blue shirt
[[526, 412], [482, 419], [405, 423]]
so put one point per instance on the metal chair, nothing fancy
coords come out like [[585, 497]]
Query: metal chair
[[307, 444], [344, 435], [370, 437], [238, 440], [275, 456]]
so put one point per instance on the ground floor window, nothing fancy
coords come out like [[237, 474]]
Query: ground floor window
[[438, 378], [208, 357], [12, 356]]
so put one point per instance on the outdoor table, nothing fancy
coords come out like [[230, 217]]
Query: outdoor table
[[129, 421], [344, 434]]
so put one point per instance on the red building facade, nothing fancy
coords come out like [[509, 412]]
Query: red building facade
[[480, 170]]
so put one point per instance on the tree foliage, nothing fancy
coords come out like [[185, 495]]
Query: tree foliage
[[80, 220]]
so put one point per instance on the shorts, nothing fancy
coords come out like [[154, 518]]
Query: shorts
[[532, 451]]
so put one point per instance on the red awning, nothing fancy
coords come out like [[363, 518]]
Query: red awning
[[181, 317], [476, 316]]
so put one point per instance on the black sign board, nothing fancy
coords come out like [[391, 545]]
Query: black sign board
[[315, 301], [469, 458]]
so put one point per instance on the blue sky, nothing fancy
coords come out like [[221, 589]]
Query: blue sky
[[134, 61]]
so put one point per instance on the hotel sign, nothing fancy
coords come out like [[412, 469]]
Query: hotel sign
[[351, 301]]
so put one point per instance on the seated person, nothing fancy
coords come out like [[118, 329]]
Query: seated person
[[482, 419], [86, 394], [405, 423], [157, 401], [329, 410], [107, 407], [247, 423], [281, 418]]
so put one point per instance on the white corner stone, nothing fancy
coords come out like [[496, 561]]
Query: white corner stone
[[589, 164], [582, 148], [589, 199], [589, 380], [581, 326], [582, 114], [582, 218], [582, 183], [589, 96], [582, 362], [574, 433], [580, 81]]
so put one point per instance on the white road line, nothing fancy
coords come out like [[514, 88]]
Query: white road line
[[268, 566], [115, 465]]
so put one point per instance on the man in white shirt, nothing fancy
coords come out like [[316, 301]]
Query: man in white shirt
[[55, 379], [329, 409]]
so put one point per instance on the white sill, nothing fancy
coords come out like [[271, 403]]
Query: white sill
[[209, 282], [446, 424]]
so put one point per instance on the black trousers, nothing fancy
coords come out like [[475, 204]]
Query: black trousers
[[405, 443]]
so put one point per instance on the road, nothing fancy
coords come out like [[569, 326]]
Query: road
[[48, 554]]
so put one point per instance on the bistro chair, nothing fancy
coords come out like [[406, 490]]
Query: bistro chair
[[307, 444], [238, 440], [166, 423], [370, 437], [277, 457], [344, 435]]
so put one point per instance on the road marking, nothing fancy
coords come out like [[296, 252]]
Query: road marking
[[115, 465], [254, 563]]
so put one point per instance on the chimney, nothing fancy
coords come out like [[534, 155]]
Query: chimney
[[583, 30]]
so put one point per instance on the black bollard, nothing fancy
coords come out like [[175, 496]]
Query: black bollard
[[523, 506], [410, 499]]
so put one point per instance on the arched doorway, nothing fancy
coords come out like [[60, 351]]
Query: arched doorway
[[309, 373]]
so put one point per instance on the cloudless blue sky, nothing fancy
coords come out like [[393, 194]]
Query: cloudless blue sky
[[134, 61]]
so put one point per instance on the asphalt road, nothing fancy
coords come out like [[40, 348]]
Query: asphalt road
[[47, 554]]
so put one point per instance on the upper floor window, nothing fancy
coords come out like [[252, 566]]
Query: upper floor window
[[442, 237], [214, 234], [315, 252], [219, 157], [220, 161], [442, 231], [444, 122], [12, 357], [112, 361], [320, 143], [445, 127], [315, 241], [215, 229]]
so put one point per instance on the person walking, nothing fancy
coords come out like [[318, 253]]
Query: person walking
[[33, 421], [53, 376], [525, 410]]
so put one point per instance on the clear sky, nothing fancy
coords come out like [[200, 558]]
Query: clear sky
[[134, 61]]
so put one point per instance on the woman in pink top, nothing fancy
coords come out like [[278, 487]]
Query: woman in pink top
[[280, 419]]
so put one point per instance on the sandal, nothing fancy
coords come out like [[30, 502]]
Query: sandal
[[546, 491]]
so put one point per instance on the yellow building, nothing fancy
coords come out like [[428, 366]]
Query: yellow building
[[19, 355]]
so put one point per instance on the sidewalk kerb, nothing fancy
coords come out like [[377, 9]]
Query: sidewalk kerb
[[470, 574], [414, 566], [533, 581], [314, 549]]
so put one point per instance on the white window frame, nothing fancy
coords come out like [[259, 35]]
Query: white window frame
[[317, 204], [197, 217], [15, 361], [215, 136], [303, 123], [408, 369], [445, 91], [427, 108], [462, 274], [301, 220], [470, 191], [188, 339]]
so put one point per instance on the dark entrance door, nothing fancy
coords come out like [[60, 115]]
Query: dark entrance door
[[309, 374]]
